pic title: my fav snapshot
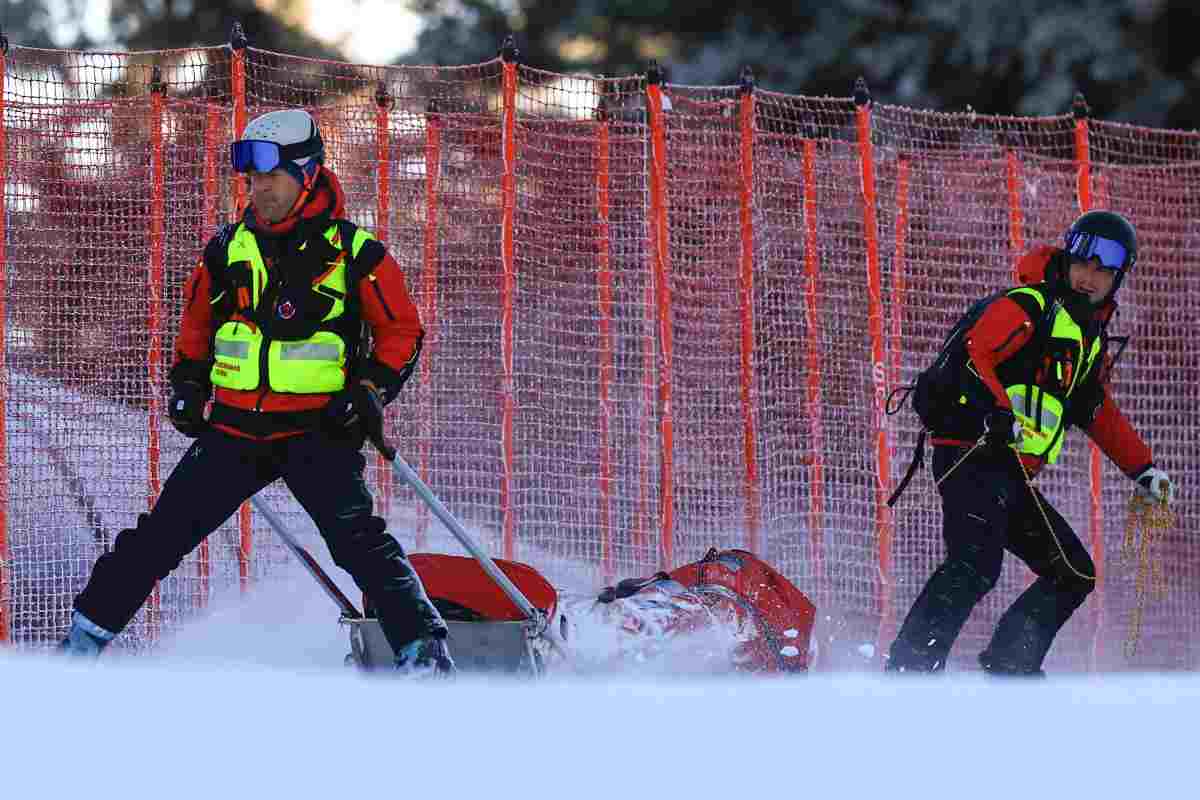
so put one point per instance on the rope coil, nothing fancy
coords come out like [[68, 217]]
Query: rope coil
[[1151, 519]]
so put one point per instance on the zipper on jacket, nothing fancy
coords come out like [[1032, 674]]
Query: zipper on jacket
[[379, 293]]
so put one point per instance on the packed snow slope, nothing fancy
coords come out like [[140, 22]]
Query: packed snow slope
[[252, 701]]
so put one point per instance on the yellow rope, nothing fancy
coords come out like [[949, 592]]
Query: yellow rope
[[965, 456], [1045, 518], [1151, 518]]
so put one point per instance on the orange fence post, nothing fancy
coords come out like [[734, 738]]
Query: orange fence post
[[237, 72], [508, 190], [429, 275], [604, 302], [383, 202], [1083, 163], [213, 150], [813, 396], [646, 435], [883, 529], [1016, 218], [154, 317], [661, 252], [896, 334], [4, 601], [887, 625], [238, 89], [746, 286]]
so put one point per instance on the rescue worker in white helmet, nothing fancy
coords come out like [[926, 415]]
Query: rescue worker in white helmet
[[1032, 364], [273, 329]]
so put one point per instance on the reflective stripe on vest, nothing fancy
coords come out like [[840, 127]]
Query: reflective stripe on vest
[[231, 349], [1042, 414], [316, 365], [307, 351]]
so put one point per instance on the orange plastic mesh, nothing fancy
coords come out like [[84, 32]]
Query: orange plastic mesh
[[608, 313]]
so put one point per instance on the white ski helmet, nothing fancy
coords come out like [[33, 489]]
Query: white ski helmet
[[287, 138]]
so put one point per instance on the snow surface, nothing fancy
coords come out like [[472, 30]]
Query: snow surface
[[253, 701]]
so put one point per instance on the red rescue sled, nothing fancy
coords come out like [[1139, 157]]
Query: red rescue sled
[[488, 632]]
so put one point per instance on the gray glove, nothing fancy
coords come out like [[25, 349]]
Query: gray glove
[[1154, 484]]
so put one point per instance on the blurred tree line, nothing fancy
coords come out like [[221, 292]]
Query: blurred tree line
[[1134, 60]]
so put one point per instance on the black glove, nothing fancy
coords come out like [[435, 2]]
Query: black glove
[[1001, 429], [186, 407], [357, 410]]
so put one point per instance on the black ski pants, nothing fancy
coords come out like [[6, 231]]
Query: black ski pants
[[215, 476], [987, 508]]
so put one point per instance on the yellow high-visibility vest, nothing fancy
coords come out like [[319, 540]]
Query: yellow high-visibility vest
[[1041, 410], [246, 358]]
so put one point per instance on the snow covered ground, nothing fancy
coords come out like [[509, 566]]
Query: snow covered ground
[[253, 701]]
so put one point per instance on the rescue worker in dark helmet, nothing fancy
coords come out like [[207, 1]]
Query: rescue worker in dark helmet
[[274, 320], [1036, 365]]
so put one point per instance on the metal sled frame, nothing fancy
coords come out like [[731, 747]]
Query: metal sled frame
[[495, 648], [506, 647]]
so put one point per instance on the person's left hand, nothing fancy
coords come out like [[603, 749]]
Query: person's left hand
[[1154, 484], [357, 408]]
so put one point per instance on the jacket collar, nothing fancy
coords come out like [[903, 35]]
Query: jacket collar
[[325, 201]]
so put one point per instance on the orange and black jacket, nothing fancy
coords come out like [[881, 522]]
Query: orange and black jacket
[[1001, 349], [381, 303]]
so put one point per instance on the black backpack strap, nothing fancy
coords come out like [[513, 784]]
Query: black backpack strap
[[913, 466]]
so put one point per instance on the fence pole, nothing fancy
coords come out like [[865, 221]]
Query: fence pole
[[661, 252], [883, 528], [154, 317], [237, 73], [1016, 219], [1083, 163], [813, 363], [237, 44], [604, 303], [429, 277], [508, 190], [383, 181], [213, 139], [4, 556], [894, 352], [746, 287]]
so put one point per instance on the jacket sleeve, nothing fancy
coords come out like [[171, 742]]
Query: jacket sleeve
[[1116, 438], [1003, 329], [193, 343], [395, 325]]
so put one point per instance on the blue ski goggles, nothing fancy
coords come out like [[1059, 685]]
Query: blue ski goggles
[[259, 155], [1086, 246]]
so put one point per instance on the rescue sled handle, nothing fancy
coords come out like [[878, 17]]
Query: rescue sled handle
[[305, 558], [405, 473]]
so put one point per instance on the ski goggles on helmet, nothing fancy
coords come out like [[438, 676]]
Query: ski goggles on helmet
[[259, 155], [1086, 246]]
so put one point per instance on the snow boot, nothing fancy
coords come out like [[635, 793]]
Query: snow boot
[[85, 639], [425, 658], [1008, 668]]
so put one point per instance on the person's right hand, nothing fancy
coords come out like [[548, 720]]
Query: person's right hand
[[357, 409], [186, 408]]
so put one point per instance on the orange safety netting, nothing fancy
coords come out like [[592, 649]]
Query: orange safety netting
[[659, 319]]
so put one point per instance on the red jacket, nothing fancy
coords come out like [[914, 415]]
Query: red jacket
[[1004, 328], [384, 304]]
